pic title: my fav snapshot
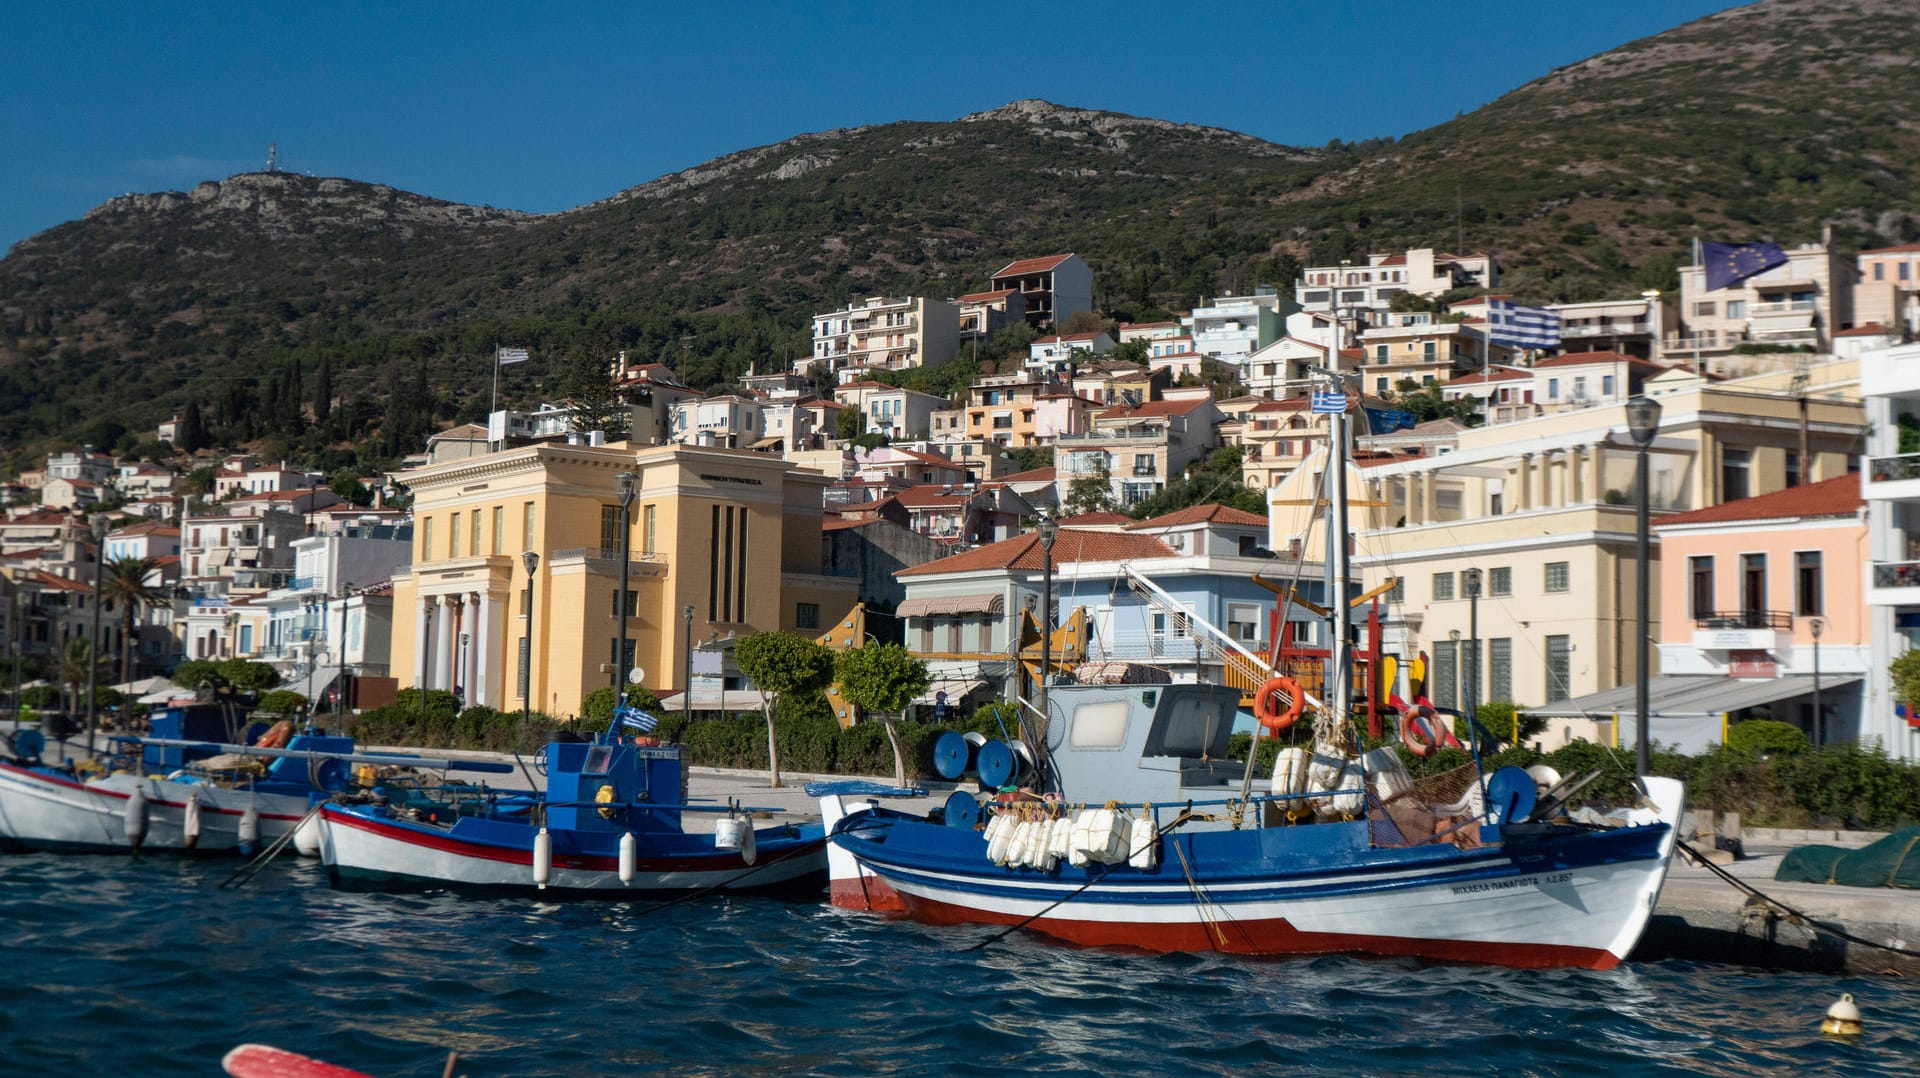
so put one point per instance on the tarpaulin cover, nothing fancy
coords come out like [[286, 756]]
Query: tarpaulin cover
[[1893, 861]]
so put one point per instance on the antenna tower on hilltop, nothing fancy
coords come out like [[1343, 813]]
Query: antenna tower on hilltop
[[273, 157]]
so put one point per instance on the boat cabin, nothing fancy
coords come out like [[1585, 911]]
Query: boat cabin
[[614, 771], [1160, 743]]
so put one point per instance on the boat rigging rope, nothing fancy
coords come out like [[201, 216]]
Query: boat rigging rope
[[1793, 916], [1201, 901], [728, 882], [252, 868]]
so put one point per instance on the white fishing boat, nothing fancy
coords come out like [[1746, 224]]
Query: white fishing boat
[[1118, 820]]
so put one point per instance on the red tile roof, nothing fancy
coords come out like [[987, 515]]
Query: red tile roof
[[1031, 265], [1904, 248], [1094, 520], [1584, 359], [1836, 497], [1147, 325], [1153, 408], [1031, 475], [1201, 514], [1023, 552], [1871, 329], [984, 297], [1501, 374], [932, 495], [1063, 338], [835, 524]]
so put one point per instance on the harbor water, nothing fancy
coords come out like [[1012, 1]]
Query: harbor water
[[146, 966]]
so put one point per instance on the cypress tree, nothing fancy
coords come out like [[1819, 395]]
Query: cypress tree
[[323, 391]]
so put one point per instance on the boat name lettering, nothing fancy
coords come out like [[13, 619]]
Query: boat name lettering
[[731, 479], [1507, 885]]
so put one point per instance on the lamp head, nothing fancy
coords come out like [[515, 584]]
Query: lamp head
[[623, 485], [1472, 582], [1817, 626], [1643, 419], [530, 559], [1049, 530]]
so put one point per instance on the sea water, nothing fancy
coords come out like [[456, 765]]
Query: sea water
[[135, 967]]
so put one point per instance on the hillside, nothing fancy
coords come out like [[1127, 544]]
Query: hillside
[[1774, 120]]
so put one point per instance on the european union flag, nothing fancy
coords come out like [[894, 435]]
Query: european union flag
[[1730, 263], [1388, 420]]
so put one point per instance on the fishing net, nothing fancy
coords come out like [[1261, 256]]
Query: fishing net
[[1893, 861], [1439, 806]]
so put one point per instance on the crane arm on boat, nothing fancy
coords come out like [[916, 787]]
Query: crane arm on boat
[[378, 759]]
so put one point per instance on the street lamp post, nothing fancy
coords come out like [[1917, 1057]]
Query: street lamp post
[[686, 693], [1817, 626], [93, 640], [1049, 530], [624, 484], [340, 653], [1473, 645], [530, 559], [19, 650], [1643, 421]]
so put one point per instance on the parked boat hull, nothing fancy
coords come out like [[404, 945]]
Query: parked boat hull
[[44, 809], [1574, 899], [361, 848]]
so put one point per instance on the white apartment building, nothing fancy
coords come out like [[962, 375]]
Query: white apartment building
[[728, 422], [1889, 290], [1890, 388], [900, 414], [1230, 328], [884, 333], [1372, 286], [1797, 304]]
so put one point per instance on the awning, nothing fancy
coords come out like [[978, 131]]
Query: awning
[[947, 606], [1684, 711], [956, 689]]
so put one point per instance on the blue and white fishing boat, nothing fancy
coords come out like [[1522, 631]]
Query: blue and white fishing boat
[[193, 784], [609, 823], [1118, 820]]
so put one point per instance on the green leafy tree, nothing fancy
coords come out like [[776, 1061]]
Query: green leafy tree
[[242, 675], [883, 679], [596, 708], [1091, 493], [132, 585], [782, 665], [75, 663], [1905, 672], [283, 702]]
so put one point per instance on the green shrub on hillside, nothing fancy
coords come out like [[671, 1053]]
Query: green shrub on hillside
[[1765, 736]]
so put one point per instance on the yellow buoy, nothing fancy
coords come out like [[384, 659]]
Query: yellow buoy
[[1843, 1018]]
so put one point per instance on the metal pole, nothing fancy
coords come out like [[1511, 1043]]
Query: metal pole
[[340, 679], [1473, 646], [1046, 624], [93, 642], [526, 699], [19, 652], [686, 694], [620, 664], [1340, 676], [1642, 752], [1819, 715]]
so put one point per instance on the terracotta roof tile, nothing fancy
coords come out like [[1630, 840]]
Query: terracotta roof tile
[[1579, 359], [1023, 552], [1031, 475], [1031, 265], [1199, 514], [1094, 520], [986, 297], [1836, 497]]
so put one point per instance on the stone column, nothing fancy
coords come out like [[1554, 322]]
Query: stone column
[[1430, 499], [486, 644], [443, 644], [422, 625], [1544, 477], [1525, 483], [1596, 473], [1576, 476]]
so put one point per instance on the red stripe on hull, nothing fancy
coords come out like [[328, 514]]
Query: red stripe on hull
[[870, 893], [715, 862], [1271, 937]]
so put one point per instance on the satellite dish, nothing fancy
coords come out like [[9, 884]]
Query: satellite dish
[[636, 675]]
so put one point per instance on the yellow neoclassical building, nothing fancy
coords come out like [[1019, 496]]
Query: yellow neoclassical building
[[734, 537]]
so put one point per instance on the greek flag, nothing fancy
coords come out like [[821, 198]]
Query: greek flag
[[1515, 326], [1329, 402], [632, 718], [504, 356]]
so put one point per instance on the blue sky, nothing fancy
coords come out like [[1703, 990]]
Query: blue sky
[[543, 107]]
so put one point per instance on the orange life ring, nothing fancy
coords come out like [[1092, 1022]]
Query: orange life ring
[[276, 736], [1421, 740], [1265, 703]]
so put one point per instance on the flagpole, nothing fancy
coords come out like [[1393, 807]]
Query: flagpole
[[493, 403]]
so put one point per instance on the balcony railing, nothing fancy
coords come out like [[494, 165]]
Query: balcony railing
[[1896, 574], [1745, 619], [1900, 466]]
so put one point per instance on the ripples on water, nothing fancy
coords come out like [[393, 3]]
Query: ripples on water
[[147, 967]]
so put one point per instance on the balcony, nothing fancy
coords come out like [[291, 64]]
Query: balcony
[[1742, 630]]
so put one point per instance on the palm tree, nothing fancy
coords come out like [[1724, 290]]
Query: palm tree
[[130, 583], [74, 664]]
